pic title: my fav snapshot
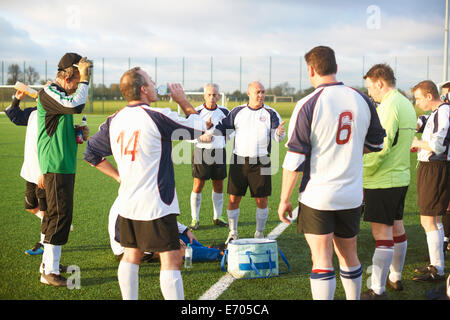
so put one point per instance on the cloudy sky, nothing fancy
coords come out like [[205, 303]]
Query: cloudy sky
[[247, 39]]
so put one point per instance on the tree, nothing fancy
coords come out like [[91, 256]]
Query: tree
[[31, 75], [14, 74]]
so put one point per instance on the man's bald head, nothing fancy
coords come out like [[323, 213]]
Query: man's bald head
[[256, 94]]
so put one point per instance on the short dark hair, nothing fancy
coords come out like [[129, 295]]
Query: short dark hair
[[381, 71], [427, 86], [322, 59], [131, 83]]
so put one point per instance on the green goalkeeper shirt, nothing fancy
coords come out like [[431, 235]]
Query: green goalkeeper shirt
[[390, 167], [57, 147]]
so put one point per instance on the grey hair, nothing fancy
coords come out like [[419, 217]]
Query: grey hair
[[213, 85]]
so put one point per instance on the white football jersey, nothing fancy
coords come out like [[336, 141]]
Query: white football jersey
[[254, 129], [216, 114], [30, 169], [140, 139], [327, 134], [436, 132]]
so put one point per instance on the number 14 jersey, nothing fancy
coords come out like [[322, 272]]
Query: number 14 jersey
[[327, 134]]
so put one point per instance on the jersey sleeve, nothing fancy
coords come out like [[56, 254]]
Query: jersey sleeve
[[226, 124], [421, 122], [174, 127], [56, 101], [441, 136], [375, 133], [299, 133], [275, 121], [98, 146], [18, 116]]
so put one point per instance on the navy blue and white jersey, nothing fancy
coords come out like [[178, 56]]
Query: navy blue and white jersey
[[436, 132], [327, 134], [216, 114], [140, 139], [27, 117], [254, 129]]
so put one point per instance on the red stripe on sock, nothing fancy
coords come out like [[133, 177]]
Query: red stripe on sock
[[384, 243], [401, 238], [321, 271]]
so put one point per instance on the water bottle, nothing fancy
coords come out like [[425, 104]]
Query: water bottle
[[25, 88], [79, 136], [162, 90], [188, 257]]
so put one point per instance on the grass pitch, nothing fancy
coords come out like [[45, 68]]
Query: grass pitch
[[88, 246]]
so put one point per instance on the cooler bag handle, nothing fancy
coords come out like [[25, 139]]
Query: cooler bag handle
[[252, 265], [285, 261]]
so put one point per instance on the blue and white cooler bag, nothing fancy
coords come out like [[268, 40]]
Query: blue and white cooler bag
[[252, 258]]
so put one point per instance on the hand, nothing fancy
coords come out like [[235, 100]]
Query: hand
[[19, 95], [85, 133], [182, 247], [205, 138], [191, 236], [280, 129], [176, 91], [40, 183], [209, 124], [84, 67], [285, 206]]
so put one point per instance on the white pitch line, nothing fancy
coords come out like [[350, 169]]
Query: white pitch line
[[220, 286]]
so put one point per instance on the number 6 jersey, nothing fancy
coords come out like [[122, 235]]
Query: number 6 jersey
[[140, 139], [327, 134]]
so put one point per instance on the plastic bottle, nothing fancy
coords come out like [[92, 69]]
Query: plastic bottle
[[79, 136], [188, 257], [25, 88], [162, 90]]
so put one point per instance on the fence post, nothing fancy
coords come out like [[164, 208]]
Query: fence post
[[240, 74], [211, 69], [270, 72], [103, 85], [182, 73]]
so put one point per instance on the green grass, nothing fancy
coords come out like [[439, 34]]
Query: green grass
[[88, 245]]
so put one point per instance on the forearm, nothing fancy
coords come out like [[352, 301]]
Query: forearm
[[289, 181], [107, 168]]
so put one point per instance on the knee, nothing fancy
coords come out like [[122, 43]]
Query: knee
[[261, 203]]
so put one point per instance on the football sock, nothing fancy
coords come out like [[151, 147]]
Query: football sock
[[323, 283], [233, 218], [398, 261], [42, 239], [435, 243], [217, 199], [351, 278], [381, 261], [50, 258], [128, 276], [261, 218], [196, 201], [171, 284], [40, 215]]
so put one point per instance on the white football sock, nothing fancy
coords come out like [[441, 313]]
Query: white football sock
[[42, 239], [351, 278], [50, 258], [196, 201], [233, 218], [435, 244], [40, 215], [171, 284], [261, 218], [381, 261], [323, 283], [398, 261], [217, 199], [128, 276]]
